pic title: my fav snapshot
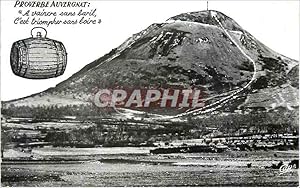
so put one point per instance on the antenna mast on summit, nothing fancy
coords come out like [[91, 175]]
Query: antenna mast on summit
[[206, 5]]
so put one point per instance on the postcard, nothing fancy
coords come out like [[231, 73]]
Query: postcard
[[149, 93]]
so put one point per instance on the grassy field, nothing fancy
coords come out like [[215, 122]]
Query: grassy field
[[143, 169]]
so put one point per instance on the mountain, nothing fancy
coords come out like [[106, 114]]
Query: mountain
[[205, 49]]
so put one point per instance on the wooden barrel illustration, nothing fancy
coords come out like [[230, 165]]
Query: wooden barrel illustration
[[38, 57]]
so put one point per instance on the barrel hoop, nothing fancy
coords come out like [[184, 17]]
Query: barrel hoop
[[56, 73], [23, 57], [26, 54], [45, 47], [64, 58], [43, 72], [19, 64], [42, 69]]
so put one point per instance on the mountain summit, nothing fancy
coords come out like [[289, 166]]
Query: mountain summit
[[208, 17], [204, 49]]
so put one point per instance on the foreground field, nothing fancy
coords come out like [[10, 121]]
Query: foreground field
[[136, 167]]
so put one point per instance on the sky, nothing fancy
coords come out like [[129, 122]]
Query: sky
[[274, 23]]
